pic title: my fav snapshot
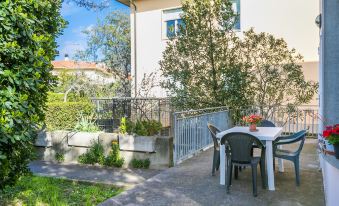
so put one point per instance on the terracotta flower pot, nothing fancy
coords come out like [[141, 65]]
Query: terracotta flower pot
[[253, 128], [336, 150]]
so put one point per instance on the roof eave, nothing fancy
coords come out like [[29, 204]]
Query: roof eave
[[125, 2]]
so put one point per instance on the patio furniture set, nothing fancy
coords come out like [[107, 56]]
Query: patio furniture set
[[233, 151]]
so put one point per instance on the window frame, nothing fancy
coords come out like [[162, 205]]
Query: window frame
[[165, 17]]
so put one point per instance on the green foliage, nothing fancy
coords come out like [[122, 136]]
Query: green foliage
[[123, 125], [140, 127], [141, 163], [109, 42], [210, 66], [276, 77], [28, 30], [204, 67], [65, 115], [55, 97], [95, 154], [78, 87], [36, 190], [60, 157], [86, 124], [114, 159]]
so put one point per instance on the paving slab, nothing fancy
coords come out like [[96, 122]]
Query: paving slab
[[191, 184], [127, 178]]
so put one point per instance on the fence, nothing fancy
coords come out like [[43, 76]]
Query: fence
[[110, 111], [292, 119], [191, 134]]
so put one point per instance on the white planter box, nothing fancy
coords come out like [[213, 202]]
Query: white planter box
[[82, 139], [137, 143]]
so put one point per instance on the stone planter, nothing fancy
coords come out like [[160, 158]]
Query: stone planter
[[83, 139], [137, 143]]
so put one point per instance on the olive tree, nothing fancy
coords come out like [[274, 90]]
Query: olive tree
[[203, 65], [27, 46], [277, 77]]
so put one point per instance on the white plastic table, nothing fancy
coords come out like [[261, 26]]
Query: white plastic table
[[266, 134]]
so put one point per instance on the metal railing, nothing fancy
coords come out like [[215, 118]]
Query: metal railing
[[191, 134], [110, 111], [292, 119]]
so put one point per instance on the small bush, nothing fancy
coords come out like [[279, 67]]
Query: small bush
[[60, 157], [114, 159], [142, 128], [141, 163], [65, 115], [94, 155], [86, 124]]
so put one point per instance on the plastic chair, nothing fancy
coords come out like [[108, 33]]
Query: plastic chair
[[266, 123], [240, 145], [216, 154], [290, 155]]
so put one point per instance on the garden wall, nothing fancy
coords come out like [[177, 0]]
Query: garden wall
[[159, 149]]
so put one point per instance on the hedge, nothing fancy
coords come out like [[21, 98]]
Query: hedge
[[64, 115], [28, 32]]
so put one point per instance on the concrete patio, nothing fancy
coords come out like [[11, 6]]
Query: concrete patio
[[191, 183]]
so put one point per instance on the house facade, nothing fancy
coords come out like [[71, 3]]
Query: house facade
[[153, 21], [97, 73]]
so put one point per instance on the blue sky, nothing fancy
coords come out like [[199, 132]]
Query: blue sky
[[79, 19]]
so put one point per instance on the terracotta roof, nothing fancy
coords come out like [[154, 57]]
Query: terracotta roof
[[73, 65], [78, 65]]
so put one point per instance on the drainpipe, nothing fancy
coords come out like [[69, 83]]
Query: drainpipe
[[135, 47]]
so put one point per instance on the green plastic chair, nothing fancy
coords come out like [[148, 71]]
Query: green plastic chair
[[216, 154], [290, 155], [240, 145]]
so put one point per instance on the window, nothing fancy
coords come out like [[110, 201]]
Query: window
[[236, 9], [172, 23]]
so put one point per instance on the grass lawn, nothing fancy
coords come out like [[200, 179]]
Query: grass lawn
[[35, 190]]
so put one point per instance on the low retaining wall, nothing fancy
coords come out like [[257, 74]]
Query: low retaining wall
[[158, 149]]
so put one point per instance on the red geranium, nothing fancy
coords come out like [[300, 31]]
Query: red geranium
[[252, 119], [332, 134]]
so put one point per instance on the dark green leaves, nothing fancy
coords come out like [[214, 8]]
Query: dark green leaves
[[27, 46]]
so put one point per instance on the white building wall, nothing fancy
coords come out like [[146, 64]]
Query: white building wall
[[292, 20]]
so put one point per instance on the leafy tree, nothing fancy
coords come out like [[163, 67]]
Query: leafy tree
[[27, 45], [277, 78], [203, 66], [81, 87], [109, 43]]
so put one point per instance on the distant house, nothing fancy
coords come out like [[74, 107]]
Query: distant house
[[153, 21], [95, 72]]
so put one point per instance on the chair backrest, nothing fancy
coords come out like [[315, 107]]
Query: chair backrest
[[213, 130], [266, 123], [240, 145], [299, 136]]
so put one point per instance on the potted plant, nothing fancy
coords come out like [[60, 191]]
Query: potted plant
[[138, 136], [331, 133], [253, 120]]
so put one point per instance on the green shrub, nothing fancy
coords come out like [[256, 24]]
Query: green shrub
[[60, 157], [28, 30], [95, 154], [114, 159], [55, 97], [141, 163], [86, 124], [142, 128], [65, 115]]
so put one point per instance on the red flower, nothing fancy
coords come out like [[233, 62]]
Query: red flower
[[327, 133]]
